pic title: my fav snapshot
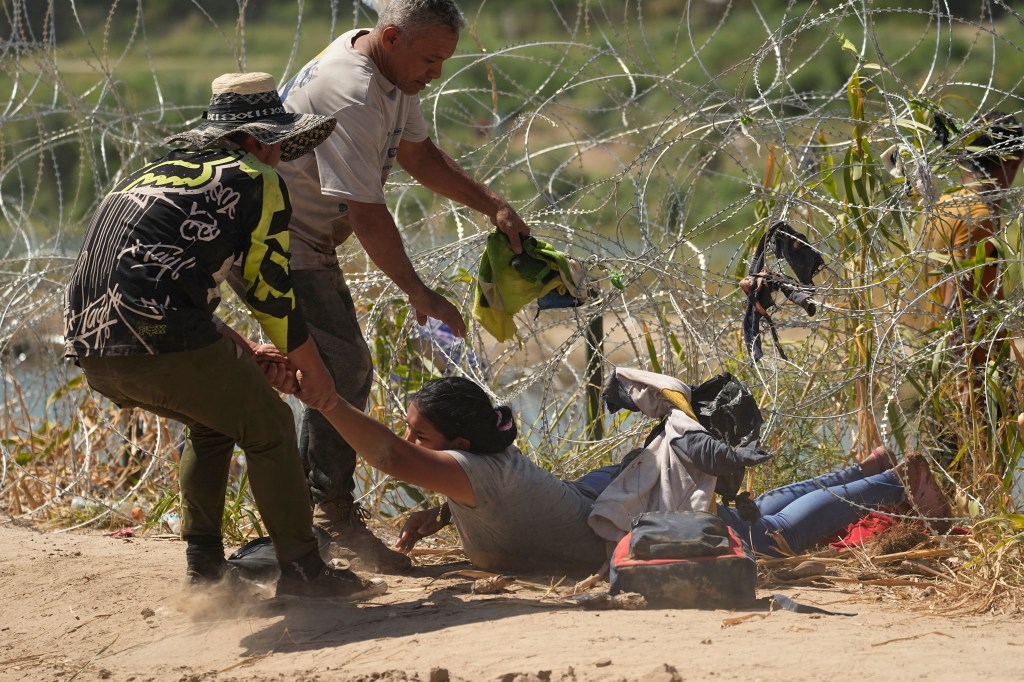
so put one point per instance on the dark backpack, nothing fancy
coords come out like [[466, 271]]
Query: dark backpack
[[684, 559], [727, 409], [257, 559]]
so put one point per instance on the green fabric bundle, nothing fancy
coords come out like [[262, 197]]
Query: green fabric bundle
[[507, 281]]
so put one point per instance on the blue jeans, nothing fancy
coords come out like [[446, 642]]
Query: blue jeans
[[326, 304], [809, 512], [596, 481]]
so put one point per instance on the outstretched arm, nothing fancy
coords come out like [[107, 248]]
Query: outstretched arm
[[434, 470], [375, 228], [279, 369], [435, 170]]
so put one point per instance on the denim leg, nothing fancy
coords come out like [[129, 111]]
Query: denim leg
[[327, 306], [733, 520], [776, 500], [596, 481], [823, 512]]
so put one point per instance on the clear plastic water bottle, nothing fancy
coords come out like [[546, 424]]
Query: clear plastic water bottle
[[172, 522]]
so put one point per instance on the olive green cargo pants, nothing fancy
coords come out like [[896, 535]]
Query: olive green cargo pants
[[223, 400]]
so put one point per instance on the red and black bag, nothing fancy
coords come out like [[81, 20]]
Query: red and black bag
[[686, 560]]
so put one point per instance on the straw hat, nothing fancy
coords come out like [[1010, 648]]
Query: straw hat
[[249, 103]]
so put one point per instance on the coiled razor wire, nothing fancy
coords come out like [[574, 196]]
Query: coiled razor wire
[[654, 142]]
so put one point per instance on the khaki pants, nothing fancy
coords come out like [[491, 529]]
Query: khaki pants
[[223, 400]]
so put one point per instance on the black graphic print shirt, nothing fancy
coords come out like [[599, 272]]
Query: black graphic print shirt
[[148, 278]]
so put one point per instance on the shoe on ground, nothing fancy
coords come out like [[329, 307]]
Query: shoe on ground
[[330, 583], [925, 494], [880, 460], [197, 578], [205, 562], [351, 540]]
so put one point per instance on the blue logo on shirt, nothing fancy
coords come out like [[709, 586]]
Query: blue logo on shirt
[[308, 73]]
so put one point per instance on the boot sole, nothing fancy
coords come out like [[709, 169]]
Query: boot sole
[[376, 588]]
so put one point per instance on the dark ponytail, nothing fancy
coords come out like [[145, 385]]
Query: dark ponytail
[[459, 408]]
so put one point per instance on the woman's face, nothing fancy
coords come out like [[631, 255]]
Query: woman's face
[[422, 432]]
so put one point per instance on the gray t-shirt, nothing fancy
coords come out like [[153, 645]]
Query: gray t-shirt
[[354, 163], [525, 518]]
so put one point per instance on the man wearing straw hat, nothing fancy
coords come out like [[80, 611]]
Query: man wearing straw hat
[[139, 320], [369, 80]]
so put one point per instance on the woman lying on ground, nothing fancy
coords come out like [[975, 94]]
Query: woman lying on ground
[[514, 516], [808, 513]]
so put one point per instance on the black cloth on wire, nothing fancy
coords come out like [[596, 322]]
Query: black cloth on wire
[[766, 289]]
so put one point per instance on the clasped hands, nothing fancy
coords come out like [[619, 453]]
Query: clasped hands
[[279, 372]]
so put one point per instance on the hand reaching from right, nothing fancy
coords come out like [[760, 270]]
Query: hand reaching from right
[[315, 383]]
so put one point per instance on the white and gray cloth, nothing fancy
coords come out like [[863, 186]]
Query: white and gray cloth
[[658, 479], [525, 518], [354, 163]]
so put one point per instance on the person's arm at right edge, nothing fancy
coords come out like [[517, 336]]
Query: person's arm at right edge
[[375, 228]]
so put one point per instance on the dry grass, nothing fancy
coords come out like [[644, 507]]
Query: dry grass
[[69, 477], [981, 571]]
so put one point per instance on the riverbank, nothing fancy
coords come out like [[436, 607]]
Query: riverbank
[[101, 607]]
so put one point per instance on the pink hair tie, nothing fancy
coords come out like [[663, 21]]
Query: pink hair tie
[[502, 426]]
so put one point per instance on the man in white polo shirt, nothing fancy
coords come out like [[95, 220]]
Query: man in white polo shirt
[[369, 80]]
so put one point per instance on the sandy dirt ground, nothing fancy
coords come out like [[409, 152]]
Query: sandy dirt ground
[[87, 606]]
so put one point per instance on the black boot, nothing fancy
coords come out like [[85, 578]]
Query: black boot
[[309, 576], [204, 556]]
